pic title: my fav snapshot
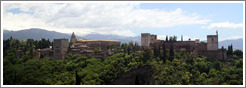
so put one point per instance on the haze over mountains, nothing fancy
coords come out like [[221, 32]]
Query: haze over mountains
[[37, 34]]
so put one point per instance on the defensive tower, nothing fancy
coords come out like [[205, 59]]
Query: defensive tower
[[212, 42]]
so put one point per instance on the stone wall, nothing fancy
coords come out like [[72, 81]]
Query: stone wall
[[215, 54], [187, 45], [201, 47], [192, 46], [41, 53], [101, 45]]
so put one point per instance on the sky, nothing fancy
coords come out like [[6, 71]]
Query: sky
[[191, 20]]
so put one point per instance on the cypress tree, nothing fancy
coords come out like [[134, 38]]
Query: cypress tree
[[171, 52], [77, 78], [155, 50], [164, 51], [181, 37], [231, 49], [166, 38]]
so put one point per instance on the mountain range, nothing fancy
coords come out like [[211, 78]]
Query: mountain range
[[37, 34]]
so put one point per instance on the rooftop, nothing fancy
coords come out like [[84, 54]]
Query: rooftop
[[85, 40], [211, 35]]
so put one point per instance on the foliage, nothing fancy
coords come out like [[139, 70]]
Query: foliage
[[238, 53], [230, 50], [179, 68]]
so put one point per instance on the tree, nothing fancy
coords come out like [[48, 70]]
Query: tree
[[77, 78], [124, 47], [166, 38], [136, 80], [171, 52], [164, 51], [174, 38], [230, 50], [128, 50], [181, 37], [147, 53], [171, 39], [155, 50], [239, 53], [112, 46], [96, 50]]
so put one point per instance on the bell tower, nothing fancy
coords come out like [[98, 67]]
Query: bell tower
[[73, 37]]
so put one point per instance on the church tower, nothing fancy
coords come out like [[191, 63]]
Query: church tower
[[73, 37]]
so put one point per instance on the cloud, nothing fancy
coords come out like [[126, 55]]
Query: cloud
[[161, 37], [224, 25], [104, 18]]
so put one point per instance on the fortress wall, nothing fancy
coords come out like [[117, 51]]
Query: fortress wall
[[153, 38], [201, 46], [212, 46], [101, 45], [214, 54], [187, 45]]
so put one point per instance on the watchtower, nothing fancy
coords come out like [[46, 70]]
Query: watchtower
[[73, 37], [60, 48], [147, 39], [212, 42]]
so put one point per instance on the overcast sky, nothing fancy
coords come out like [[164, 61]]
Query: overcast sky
[[192, 20]]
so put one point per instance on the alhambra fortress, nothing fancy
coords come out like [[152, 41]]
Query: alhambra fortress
[[104, 48]]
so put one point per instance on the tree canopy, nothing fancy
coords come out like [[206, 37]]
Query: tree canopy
[[175, 68]]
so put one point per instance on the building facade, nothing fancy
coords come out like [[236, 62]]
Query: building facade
[[96, 48], [209, 49]]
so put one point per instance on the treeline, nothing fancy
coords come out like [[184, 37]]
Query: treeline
[[182, 69], [11, 46], [199, 71]]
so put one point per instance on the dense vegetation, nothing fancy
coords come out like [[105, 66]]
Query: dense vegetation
[[182, 69]]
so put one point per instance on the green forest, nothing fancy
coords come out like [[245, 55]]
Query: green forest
[[168, 68]]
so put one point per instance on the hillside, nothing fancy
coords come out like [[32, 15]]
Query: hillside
[[34, 33], [37, 34], [237, 43]]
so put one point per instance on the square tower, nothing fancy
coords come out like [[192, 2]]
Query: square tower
[[212, 42], [60, 48], [147, 39]]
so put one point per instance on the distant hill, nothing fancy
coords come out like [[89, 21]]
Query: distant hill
[[113, 37], [236, 43], [34, 33], [37, 34]]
